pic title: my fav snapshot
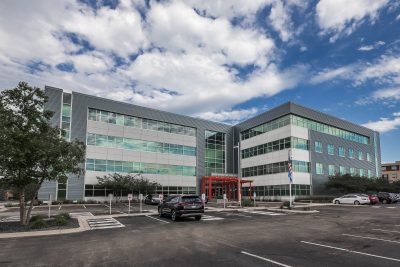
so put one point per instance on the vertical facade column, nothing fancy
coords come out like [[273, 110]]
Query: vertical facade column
[[209, 187]]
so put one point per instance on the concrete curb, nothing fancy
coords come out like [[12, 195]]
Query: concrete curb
[[293, 211], [83, 226]]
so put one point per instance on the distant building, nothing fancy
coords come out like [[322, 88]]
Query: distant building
[[391, 171], [176, 151]]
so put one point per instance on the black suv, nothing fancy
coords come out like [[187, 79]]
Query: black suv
[[386, 198], [181, 206]]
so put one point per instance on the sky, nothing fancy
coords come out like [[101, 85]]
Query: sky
[[220, 60]]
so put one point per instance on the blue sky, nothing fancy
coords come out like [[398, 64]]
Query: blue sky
[[220, 60]]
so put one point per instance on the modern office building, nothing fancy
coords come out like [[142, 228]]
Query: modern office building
[[391, 171], [176, 151]]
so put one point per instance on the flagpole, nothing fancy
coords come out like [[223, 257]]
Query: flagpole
[[290, 178], [290, 194]]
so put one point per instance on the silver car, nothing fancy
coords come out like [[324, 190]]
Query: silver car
[[352, 199]]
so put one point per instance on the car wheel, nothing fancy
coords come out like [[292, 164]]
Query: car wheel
[[160, 213], [384, 201], [174, 216], [197, 218], [356, 202], [337, 202]]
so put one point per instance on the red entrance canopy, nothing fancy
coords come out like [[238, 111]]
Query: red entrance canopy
[[225, 182]]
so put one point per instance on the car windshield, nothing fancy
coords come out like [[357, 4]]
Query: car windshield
[[189, 199]]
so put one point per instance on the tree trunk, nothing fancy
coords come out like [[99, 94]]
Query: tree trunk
[[22, 206], [28, 215]]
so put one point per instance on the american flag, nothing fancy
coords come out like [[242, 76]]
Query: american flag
[[290, 173]]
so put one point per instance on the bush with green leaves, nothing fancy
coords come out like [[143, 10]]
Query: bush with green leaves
[[247, 203], [37, 222], [60, 220], [36, 218]]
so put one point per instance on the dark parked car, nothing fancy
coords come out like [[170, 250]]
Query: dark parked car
[[152, 199], [386, 198], [181, 206]]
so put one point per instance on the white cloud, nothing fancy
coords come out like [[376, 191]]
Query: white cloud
[[198, 34], [228, 9], [385, 70], [330, 74], [341, 17], [232, 116], [384, 124], [386, 96], [182, 61], [371, 47], [280, 17]]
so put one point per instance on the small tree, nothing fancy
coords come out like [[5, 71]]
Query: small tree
[[31, 150], [132, 183]]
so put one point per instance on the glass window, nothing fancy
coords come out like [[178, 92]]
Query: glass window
[[92, 114], [319, 168], [360, 155], [331, 170], [351, 153], [215, 152], [368, 157], [362, 174], [331, 149], [306, 123], [342, 170], [91, 139], [369, 174], [341, 152], [352, 171], [318, 147]]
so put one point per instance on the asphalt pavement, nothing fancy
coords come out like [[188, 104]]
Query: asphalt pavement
[[336, 236]]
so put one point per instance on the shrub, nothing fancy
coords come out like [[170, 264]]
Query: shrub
[[36, 218], [8, 205], [286, 205], [60, 220], [247, 203], [91, 201], [67, 201], [54, 202], [38, 223], [64, 215]]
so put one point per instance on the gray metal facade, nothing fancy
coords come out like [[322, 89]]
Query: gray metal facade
[[325, 139], [81, 103]]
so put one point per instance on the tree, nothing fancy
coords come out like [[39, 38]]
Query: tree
[[355, 184], [31, 150], [119, 183]]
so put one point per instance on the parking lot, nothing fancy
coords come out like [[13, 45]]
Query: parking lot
[[336, 236]]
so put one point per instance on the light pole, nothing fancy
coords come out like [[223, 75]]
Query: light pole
[[239, 175]]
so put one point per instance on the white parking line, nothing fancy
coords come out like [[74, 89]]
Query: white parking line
[[84, 206], [59, 207], [264, 259], [260, 212], [351, 251], [210, 218], [390, 207], [373, 238], [151, 217], [389, 231]]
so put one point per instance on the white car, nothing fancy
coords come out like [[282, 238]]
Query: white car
[[352, 199]]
